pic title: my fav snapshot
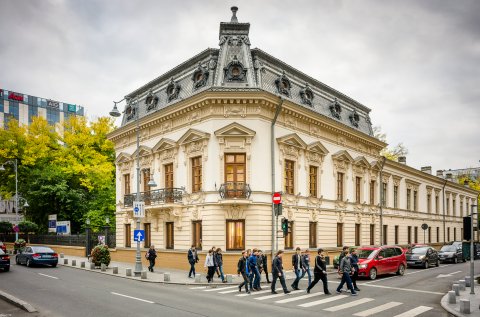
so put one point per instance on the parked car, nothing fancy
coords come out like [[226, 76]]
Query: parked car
[[450, 253], [457, 244], [4, 261], [38, 255], [374, 261], [423, 256], [3, 247]]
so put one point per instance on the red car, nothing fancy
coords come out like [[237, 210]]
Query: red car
[[374, 261]]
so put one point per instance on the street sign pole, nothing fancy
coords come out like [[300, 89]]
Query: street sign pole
[[472, 255], [138, 258]]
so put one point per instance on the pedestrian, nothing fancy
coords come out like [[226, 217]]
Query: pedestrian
[[214, 250], [297, 267], [210, 265], [253, 269], [342, 254], [320, 273], [265, 266], [354, 260], [306, 265], [277, 272], [242, 268], [260, 266], [151, 256], [192, 259], [219, 264], [346, 269]]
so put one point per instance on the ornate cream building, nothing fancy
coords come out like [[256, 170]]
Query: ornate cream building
[[206, 139]]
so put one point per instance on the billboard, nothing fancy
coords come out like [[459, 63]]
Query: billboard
[[52, 223], [63, 227]]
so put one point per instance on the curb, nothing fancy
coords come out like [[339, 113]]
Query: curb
[[444, 304], [17, 302]]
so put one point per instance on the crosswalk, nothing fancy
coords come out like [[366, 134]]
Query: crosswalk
[[358, 307]]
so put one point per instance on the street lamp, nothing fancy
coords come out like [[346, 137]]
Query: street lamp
[[472, 255], [2, 168]]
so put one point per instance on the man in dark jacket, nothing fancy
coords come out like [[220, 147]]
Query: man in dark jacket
[[320, 273], [253, 269], [265, 266], [346, 269], [192, 259], [354, 260], [242, 268], [340, 258], [298, 268], [277, 273]]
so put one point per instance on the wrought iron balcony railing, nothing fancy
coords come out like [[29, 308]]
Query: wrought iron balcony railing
[[157, 196], [235, 190]]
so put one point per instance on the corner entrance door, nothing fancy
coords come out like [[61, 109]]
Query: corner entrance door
[[235, 175]]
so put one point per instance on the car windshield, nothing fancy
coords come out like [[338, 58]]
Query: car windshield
[[418, 250], [365, 254], [449, 248], [42, 250]]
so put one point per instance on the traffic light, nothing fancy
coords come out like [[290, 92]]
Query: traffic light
[[467, 226], [278, 209], [285, 226]]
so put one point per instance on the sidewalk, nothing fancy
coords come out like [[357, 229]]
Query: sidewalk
[[176, 276], [454, 309]]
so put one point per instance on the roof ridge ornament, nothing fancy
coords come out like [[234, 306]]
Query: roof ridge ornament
[[234, 14]]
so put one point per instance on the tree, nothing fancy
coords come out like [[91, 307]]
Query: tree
[[390, 153], [5, 228], [28, 227]]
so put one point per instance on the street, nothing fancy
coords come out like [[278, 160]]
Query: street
[[64, 291]]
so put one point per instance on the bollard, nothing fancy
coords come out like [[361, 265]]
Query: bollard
[[61, 255], [166, 277], [229, 278], [198, 278], [74, 262], [467, 281], [115, 270], [103, 267], [456, 289], [128, 272], [452, 299], [461, 285], [65, 261], [465, 306], [82, 264], [92, 266], [144, 275]]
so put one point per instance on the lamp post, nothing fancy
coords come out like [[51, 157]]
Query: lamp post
[[107, 226], [87, 238], [472, 255], [2, 168]]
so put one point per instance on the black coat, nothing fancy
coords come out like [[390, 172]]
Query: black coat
[[151, 254], [277, 266], [191, 257], [242, 262], [295, 259], [320, 265], [265, 262]]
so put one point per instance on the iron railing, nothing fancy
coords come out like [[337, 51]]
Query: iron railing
[[235, 190], [157, 196]]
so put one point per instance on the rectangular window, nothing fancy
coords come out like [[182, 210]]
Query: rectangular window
[[384, 194], [313, 181], [235, 235], [126, 184], [438, 234], [128, 235], [429, 203], [32, 112], [448, 206], [313, 235], [288, 240], [372, 192], [409, 199], [429, 234], [396, 234], [409, 235], [168, 170], [148, 235], [146, 188], [339, 234], [372, 234], [468, 208], [340, 186], [357, 234], [358, 184], [461, 208], [448, 234], [235, 171], [415, 200], [53, 116], [169, 235], [454, 202], [395, 196], [415, 230], [196, 174], [454, 234], [385, 234], [197, 234], [437, 205], [289, 177]]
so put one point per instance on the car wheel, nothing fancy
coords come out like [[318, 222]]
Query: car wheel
[[373, 273], [455, 260], [437, 264], [29, 263], [401, 270], [425, 265], [54, 265]]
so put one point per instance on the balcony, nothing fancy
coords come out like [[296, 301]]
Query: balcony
[[235, 190], [157, 196]]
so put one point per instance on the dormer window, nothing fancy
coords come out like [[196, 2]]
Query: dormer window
[[200, 77], [354, 118], [151, 101], [173, 90], [235, 71], [336, 109], [130, 112], [307, 95], [283, 85]]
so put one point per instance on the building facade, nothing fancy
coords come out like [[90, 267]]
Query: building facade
[[224, 130], [24, 108]]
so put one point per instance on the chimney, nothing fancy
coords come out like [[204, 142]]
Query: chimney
[[426, 169], [402, 160], [440, 173], [449, 177]]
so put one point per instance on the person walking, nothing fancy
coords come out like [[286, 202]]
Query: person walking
[[354, 260], [210, 265], [320, 273], [151, 256], [277, 273], [265, 266], [214, 250], [253, 269], [259, 266], [192, 259], [297, 267], [346, 269], [306, 265], [242, 268], [219, 264], [342, 255]]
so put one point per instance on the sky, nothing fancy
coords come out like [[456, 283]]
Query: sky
[[416, 64]]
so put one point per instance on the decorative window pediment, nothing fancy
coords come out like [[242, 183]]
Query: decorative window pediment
[[335, 109], [360, 165], [291, 146], [167, 150], [200, 77], [411, 184], [173, 89], [316, 151], [151, 101], [193, 135], [142, 150], [194, 143], [341, 160], [283, 85], [307, 95], [145, 154], [354, 118], [164, 144], [235, 130], [235, 71], [123, 158]]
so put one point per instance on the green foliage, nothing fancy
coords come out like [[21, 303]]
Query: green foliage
[[5, 227], [389, 152], [19, 244], [28, 227], [101, 254], [71, 174]]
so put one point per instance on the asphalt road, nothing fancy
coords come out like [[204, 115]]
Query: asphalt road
[[69, 292]]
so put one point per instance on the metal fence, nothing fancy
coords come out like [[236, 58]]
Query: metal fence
[[70, 240]]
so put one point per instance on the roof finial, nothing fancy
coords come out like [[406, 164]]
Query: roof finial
[[234, 16]]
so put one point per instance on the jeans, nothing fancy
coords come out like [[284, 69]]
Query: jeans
[[152, 264], [307, 271], [210, 273], [298, 274], [220, 268], [318, 277], [192, 269], [245, 282], [254, 277], [346, 278], [354, 278], [282, 281]]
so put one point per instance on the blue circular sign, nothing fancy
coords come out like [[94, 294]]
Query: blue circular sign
[[136, 209]]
